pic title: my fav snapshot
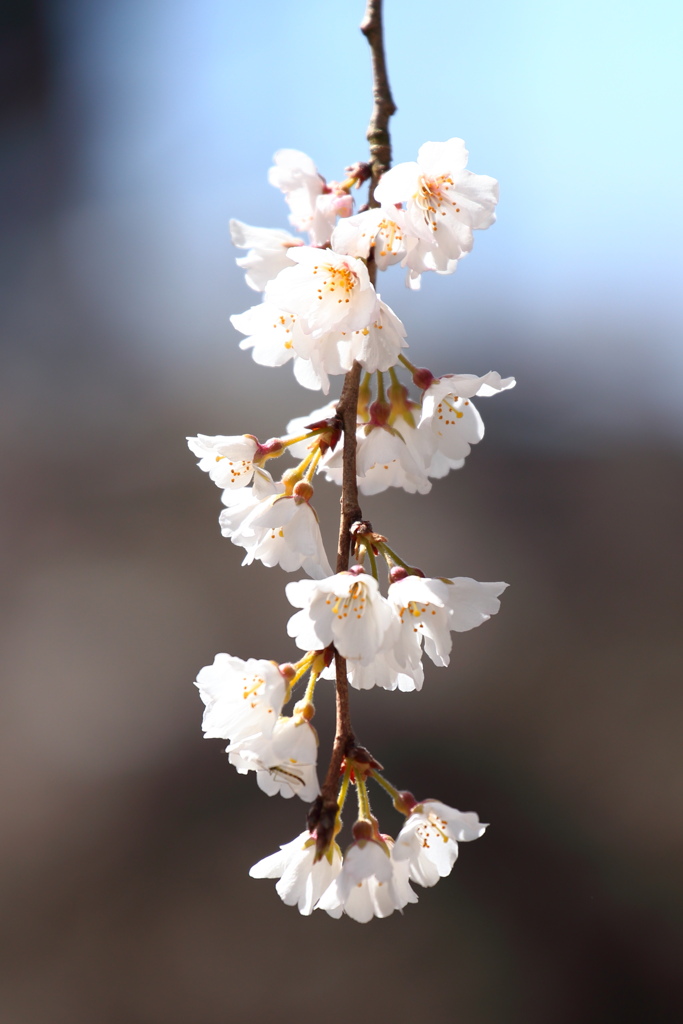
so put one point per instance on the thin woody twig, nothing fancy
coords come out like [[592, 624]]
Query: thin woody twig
[[384, 106], [324, 811], [347, 410], [322, 816]]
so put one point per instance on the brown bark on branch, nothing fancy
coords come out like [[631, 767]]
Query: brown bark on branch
[[384, 106]]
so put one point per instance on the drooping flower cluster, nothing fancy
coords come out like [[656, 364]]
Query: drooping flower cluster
[[244, 700], [382, 638], [321, 311], [373, 877]]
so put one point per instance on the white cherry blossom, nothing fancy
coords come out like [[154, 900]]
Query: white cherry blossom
[[268, 252], [449, 415], [318, 358], [242, 502], [314, 373], [285, 531], [379, 230], [296, 175], [326, 291], [276, 336], [284, 762], [346, 609], [271, 332], [440, 465], [243, 698], [377, 346], [429, 609], [421, 255], [227, 459], [302, 879], [428, 841], [333, 203], [276, 528], [401, 456], [392, 457], [370, 883], [444, 201], [314, 205], [470, 602], [292, 170], [394, 668], [397, 456]]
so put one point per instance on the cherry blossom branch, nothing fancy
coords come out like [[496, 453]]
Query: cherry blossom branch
[[322, 816], [322, 310]]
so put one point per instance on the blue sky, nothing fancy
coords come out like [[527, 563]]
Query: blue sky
[[575, 107]]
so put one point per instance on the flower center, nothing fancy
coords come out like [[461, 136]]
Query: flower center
[[353, 604], [250, 692], [283, 326], [337, 281], [237, 469], [446, 409], [390, 233], [431, 194], [433, 828], [417, 610]]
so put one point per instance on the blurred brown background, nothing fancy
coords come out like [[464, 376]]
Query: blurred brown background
[[126, 838]]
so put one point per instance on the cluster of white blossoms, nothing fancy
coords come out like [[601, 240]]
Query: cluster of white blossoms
[[382, 638], [319, 306], [320, 310]]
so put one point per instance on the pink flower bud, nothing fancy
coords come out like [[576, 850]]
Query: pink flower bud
[[272, 445], [379, 413], [343, 205], [405, 802], [422, 378]]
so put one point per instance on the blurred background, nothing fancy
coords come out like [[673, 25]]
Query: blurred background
[[132, 130]]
